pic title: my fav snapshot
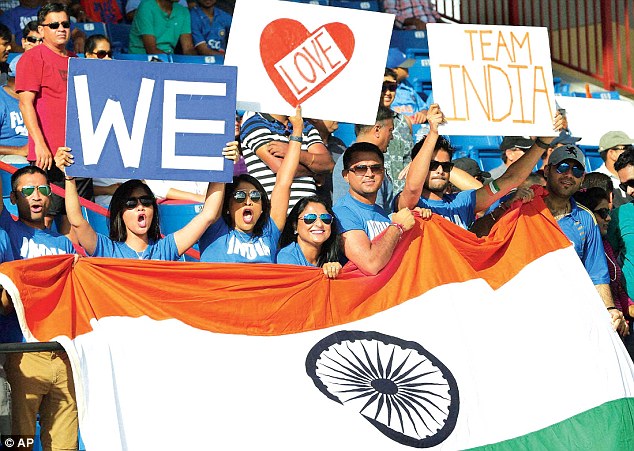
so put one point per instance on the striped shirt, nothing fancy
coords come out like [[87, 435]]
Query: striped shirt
[[259, 129]]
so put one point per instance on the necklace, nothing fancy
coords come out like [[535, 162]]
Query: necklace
[[558, 214]]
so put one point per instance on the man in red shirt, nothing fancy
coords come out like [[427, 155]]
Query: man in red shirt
[[41, 85]]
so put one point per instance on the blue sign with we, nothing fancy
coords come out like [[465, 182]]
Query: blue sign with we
[[164, 121]]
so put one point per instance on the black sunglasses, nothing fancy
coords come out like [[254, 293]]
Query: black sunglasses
[[564, 166], [447, 166], [309, 218], [241, 195], [33, 39], [55, 25], [362, 169], [389, 86], [44, 190], [101, 54], [603, 213], [132, 202], [625, 185]]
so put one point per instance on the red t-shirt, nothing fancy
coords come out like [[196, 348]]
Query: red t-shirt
[[45, 72]]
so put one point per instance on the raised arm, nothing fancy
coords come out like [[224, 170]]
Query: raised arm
[[420, 165], [86, 235], [282, 190], [188, 235], [518, 171]]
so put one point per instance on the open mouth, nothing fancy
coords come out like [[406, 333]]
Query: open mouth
[[247, 215], [142, 220], [36, 208]]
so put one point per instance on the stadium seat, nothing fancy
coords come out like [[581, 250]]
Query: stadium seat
[[175, 215], [484, 149], [409, 39], [420, 76], [364, 5], [6, 180], [160, 57], [99, 222], [345, 132], [608, 95], [314, 2], [198, 59], [119, 35], [91, 28], [593, 159]]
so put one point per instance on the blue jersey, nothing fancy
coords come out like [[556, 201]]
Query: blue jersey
[[406, 100], [13, 132], [28, 242], [458, 208], [214, 34], [292, 255], [222, 244], [581, 228], [164, 249], [354, 215]]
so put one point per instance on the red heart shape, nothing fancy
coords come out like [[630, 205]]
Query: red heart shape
[[300, 63]]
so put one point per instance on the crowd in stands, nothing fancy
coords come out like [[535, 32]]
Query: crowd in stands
[[300, 195]]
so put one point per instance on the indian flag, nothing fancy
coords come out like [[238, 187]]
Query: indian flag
[[459, 343]]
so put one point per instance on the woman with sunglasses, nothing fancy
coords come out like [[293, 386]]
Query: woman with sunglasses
[[98, 46], [134, 218], [308, 239], [250, 224], [597, 201]]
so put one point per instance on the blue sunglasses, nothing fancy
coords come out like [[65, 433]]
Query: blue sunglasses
[[564, 166], [309, 218]]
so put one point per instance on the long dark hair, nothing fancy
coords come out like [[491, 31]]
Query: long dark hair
[[118, 232], [591, 197], [329, 251], [258, 229]]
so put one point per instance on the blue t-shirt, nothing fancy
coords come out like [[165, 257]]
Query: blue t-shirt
[[292, 255], [27, 242], [12, 129], [164, 249], [222, 244], [9, 327], [458, 208], [354, 215], [17, 18], [214, 34], [581, 228]]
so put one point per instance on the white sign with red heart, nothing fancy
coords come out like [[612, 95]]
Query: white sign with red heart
[[329, 60]]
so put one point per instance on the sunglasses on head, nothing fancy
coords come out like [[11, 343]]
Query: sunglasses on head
[[603, 213], [101, 54], [447, 166], [132, 202], [625, 185], [362, 169], [241, 195], [55, 25], [309, 218], [564, 166], [33, 39], [44, 190], [389, 86]]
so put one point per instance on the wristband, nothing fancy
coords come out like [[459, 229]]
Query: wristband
[[542, 144], [398, 226], [298, 139], [68, 178], [612, 308]]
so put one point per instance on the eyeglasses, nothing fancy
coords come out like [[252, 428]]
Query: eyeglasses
[[55, 25], [447, 166], [362, 169], [44, 190], [132, 202], [603, 213], [241, 195], [101, 54], [623, 147], [625, 185], [33, 39], [389, 86], [564, 166], [309, 218]]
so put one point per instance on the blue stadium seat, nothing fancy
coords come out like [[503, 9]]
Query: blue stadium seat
[[420, 76], [175, 216], [345, 132], [314, 2], [163, 57], [593, 159], [409, 39], [198, 59], [607, 95], [91, 28], [119, 35], [364, 5], [99, 222], [483, 149]]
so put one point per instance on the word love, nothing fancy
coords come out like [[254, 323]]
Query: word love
[[300, 63]]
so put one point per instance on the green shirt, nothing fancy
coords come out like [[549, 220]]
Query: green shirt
[[621, 237], [166, 28]]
